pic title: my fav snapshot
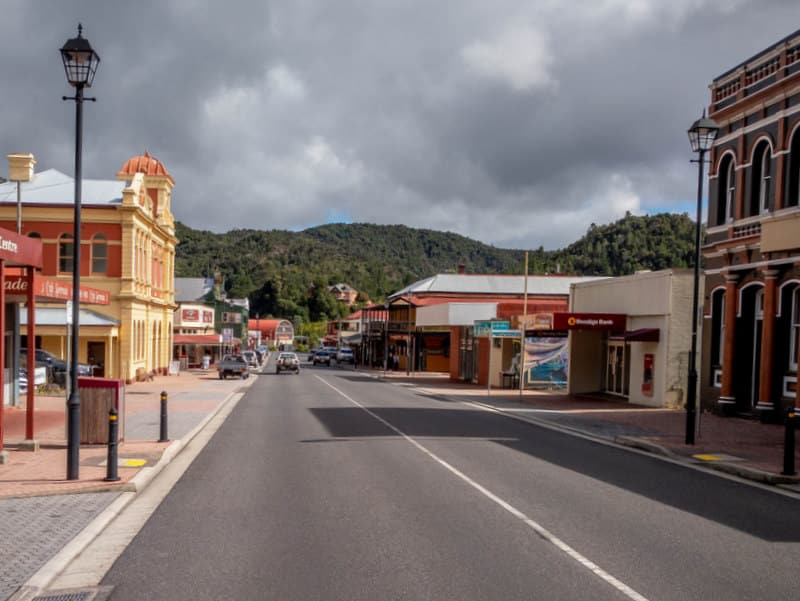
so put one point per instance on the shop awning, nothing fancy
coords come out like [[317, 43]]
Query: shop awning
[[643, 335], [204, 339]]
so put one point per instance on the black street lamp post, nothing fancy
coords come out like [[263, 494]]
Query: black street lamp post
[[386, 340], [80, 64], [702, 134]]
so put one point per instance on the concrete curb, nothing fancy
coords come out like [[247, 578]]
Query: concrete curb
[[645, 445], [50, 570]]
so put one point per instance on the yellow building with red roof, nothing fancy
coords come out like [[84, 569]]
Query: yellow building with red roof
[[127, 250]]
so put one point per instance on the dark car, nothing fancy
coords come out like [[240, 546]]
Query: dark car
[[56, 367], [322, 356]]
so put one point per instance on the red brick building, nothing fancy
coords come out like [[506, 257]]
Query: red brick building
[[752, 254]]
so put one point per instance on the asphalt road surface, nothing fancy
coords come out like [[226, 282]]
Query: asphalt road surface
[[333, 486]]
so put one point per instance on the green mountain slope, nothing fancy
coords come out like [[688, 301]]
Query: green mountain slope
[[285, 274]]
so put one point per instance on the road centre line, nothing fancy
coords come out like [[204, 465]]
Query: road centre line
[[535, 526]]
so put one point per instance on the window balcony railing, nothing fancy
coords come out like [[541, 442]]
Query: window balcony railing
[[747, 230]]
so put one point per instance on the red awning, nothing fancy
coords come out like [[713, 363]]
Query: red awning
[[643, 335], [205, 339]]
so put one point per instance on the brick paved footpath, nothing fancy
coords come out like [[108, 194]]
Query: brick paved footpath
[[39, 510]]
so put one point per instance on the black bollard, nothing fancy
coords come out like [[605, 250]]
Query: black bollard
[[111, 462], [164, 437], [788, 444]]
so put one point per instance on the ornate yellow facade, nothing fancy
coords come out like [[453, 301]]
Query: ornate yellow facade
[[127, 249]]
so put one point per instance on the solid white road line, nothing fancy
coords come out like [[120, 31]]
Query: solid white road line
[[538, 528]]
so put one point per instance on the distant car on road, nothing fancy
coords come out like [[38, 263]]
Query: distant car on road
[[287, 362], [345, 355], [322, 356], [233, 365], [251, 358]]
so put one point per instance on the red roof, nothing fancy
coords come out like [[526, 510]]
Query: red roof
[[144, 164], [267, 327]]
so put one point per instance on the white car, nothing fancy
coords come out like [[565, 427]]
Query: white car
[[345, 355], [287, 362]]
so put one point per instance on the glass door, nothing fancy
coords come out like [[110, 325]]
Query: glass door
[[616, 368]]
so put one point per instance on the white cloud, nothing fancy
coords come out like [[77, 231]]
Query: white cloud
[[284, 84], [520, 56]]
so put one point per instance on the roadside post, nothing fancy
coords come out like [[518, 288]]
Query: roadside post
[[112, 460], [163, 435]]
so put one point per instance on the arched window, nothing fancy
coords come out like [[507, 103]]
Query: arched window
[[793, 196], [66, 248], [717, 328], [726, 192], [760, 189], [795, 330], [99, 254]]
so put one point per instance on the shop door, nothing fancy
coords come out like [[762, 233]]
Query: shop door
[[617, 368], [97, 358], [468, 358]]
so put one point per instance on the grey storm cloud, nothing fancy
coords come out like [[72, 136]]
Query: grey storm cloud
[[517, 123]]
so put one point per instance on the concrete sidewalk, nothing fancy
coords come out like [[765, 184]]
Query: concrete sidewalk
[[192, 397]]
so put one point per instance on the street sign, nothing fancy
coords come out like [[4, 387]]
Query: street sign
[[507, 334], [227, 335], [69, 312], [486, 328]]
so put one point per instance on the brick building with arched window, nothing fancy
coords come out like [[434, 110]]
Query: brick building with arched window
[[752, 252]]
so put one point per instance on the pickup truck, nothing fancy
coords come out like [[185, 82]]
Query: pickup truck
[[287, 362], [233, 365]]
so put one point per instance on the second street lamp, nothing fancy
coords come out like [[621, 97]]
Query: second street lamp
[[80, 64], [702, 134]]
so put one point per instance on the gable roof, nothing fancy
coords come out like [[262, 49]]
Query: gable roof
[[457, 283], [53, 187]]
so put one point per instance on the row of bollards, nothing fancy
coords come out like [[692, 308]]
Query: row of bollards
[[112, 461]]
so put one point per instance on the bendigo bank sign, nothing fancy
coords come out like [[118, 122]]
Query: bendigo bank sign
[[589, 321]]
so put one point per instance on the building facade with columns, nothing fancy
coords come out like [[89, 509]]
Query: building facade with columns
[[127, 250], [752, 253]]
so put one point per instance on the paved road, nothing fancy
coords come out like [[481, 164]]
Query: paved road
[[330, 485]]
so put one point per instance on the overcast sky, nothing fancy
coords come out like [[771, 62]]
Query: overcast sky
[[514, 122]]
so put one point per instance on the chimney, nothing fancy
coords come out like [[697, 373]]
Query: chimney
[[461, 268], [20, 167]]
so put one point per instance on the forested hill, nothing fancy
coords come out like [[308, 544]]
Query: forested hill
[[286, 273]]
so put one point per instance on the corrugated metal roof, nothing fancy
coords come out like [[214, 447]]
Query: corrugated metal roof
[[57, 316], [53, 187], [456, 283]]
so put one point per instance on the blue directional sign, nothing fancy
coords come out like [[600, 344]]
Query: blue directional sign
[[486, 328]]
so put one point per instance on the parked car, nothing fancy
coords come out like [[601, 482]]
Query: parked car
[[57, 368], [345, 355], [287, 362], [322, 356], [233, 365]]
